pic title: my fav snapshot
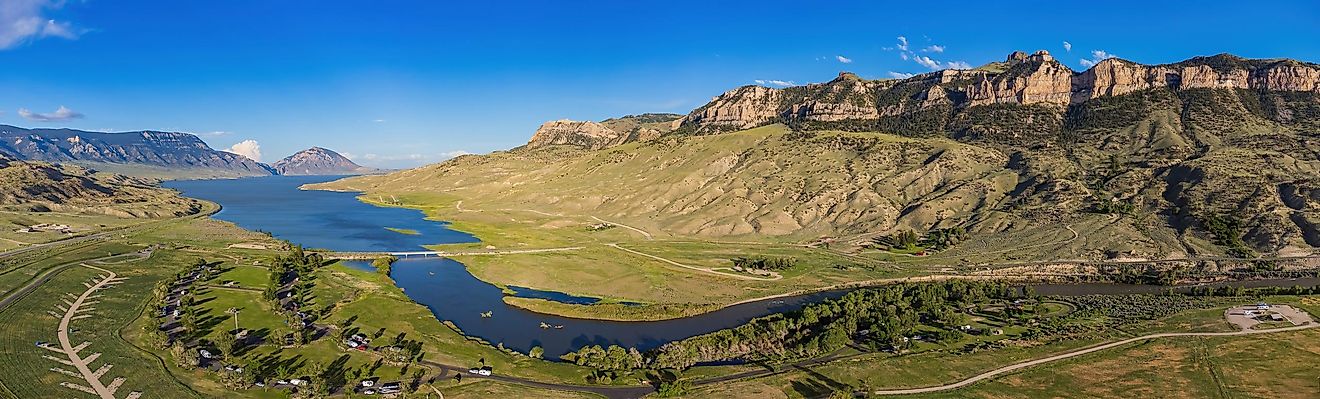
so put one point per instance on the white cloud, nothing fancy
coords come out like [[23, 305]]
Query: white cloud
[[60, 115], [902, 43], [247, 148], [454, 154], [772, 82], [900, 75], [958, 65], [1067, 47], [904, 56], [214, 134], [379, 121], [926, 62], [1096, 57], [24, 20], [843, 59], [934, 48]]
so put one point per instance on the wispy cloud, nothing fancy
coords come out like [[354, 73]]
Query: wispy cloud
[[60, 115], [900, 75], [772, 82], [247, 148], [1067, 46], [902, 43], [379, 121], [1096, 57], [214, 134], [934, 48], [926, 62], [402, 159], [843, 59], [958, 65], [25, 20]]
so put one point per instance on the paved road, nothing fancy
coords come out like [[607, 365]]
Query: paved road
[[76, 360]]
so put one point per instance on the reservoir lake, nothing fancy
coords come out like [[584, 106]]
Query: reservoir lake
[[339, 222]]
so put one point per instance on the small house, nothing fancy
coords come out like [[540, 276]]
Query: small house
[[1276, 317], [391, 387]]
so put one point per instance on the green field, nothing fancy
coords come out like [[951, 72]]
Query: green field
[[1276, 366], [26, 374]]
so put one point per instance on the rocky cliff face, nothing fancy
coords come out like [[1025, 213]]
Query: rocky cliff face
[[585, 134], [159, 149], [318, 161], [1036, 79], [607, 133]]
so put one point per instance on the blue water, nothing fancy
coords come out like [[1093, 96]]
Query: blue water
[[525, 292], [338, 221], [317, 219], [453, 294]]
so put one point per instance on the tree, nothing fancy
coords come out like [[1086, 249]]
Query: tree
[[185, 358], [669, 389], [227, 344]]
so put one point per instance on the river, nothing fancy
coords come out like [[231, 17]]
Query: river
[[338, 221]]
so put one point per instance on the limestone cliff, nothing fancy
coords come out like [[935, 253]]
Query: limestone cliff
[[607, 133], [1037, 79]]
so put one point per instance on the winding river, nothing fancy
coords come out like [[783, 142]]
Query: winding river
[[338, 221]]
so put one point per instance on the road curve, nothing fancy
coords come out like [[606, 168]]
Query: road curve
[[1030, 363], [76, 360]]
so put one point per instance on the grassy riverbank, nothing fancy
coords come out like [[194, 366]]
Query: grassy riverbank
[[667, 278]]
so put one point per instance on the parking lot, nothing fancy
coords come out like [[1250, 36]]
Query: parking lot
[[1247, 317]]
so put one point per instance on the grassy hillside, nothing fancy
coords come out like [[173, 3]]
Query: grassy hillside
[[43, 187], [764, 183]]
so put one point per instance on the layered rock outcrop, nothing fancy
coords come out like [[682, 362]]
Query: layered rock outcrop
[[607, 133], [1022, 79], [150, 148], [585, 134]]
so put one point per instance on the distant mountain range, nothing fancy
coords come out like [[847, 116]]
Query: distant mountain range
[[160, 154]]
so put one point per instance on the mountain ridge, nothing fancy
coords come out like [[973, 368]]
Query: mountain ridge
[[1221, 159], [147, 147], [150, 153], [318, 161]]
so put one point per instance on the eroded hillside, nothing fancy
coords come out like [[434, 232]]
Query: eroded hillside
[[42, 187], [1207, 157]]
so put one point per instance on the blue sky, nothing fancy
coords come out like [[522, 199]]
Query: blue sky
[[402, 83]]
